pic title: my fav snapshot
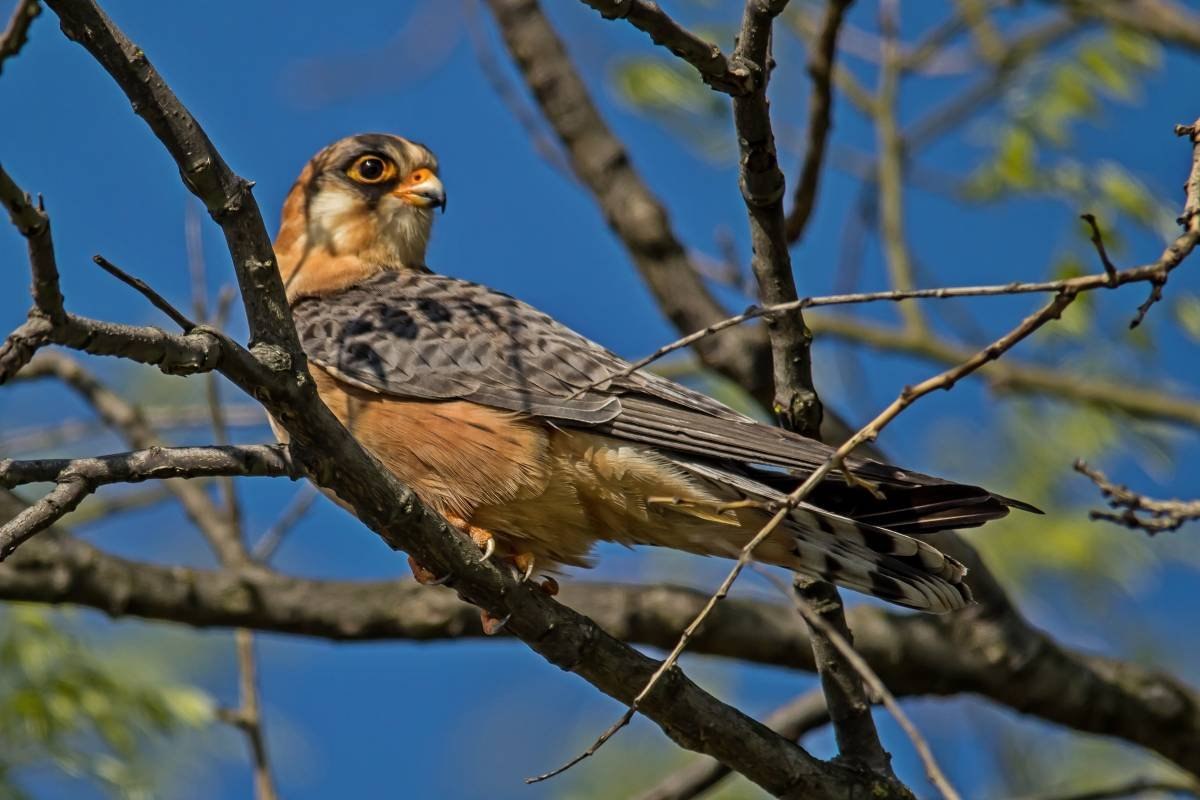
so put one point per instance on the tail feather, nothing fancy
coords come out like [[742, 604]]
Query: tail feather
[[849, 552]]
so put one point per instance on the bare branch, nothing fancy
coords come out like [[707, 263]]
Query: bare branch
[[1138, 511], [819, 621], [891, 167], [820, 118], [1098, 241], [143, 288], [16, 33], [913, 654], [248, 717], [1166, 21], [77, 478], [722, 74], [128, 421], [1028, 377], [1133, 788], [849, 708], [807, 712], [796, 403]]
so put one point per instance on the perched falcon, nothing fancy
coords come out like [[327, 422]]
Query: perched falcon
[[514, 427]]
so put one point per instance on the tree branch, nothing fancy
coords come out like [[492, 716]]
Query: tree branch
[[16, 33], [76, 478], [715, 70], [1137, 511], [762, 184], [913, 654], [807, 712], [820, 118]]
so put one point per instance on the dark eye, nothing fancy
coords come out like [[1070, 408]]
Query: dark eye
[[371, 169]]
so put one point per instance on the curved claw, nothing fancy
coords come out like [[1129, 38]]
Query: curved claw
[[439, 581], [489, 548], [491, 625], [528, 572]]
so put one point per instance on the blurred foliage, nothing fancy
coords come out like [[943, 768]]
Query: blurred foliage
[[67, 708], [1039, 441], [1043, 110]]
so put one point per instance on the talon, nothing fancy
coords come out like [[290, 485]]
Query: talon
[[488, 549], [491, 624], [524, 562], [550, 586], [424, 576]]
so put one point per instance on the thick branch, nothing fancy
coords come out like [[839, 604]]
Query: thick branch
[[913, 655], [807, 712]]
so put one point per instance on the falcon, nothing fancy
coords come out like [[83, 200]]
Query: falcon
[[537, 442]]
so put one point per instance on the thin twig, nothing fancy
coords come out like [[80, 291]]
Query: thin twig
[[820, 118], [898, 257], [300, 505], [1098, 241], [249, 715], [1138, 511], [1189, 219], [143, 288], [1082, 283]]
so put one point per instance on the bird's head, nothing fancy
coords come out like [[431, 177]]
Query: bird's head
[[363, 204]]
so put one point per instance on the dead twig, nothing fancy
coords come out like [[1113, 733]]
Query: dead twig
[[1137, 511]]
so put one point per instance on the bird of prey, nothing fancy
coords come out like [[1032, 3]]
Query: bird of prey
[[533, 440]]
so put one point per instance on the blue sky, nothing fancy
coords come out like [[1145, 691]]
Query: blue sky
[[274, 81]]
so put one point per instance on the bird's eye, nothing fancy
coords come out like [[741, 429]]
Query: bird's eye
[[371, 169]]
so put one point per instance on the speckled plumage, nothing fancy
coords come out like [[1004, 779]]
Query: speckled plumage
[[511, 424]]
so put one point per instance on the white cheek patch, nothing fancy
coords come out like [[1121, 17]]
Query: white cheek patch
[[328, 214]]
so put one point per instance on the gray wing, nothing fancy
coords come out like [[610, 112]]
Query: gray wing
[[428, 336], [420, 335]]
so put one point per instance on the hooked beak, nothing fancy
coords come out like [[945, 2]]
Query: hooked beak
[[429, 193]]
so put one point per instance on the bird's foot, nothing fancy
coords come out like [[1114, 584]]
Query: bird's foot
[[491, 624], [482, 537], [424, 576], [524, 564]]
